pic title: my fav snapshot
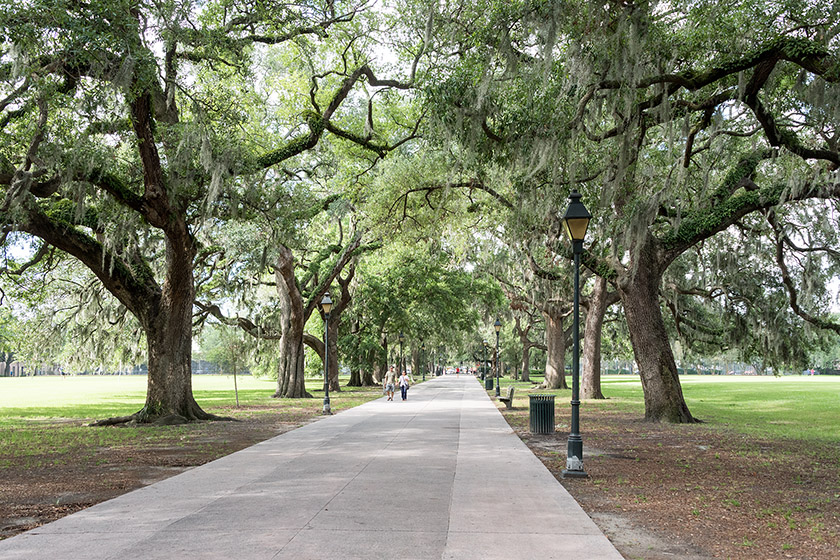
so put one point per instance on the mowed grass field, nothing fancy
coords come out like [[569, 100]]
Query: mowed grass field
[[105, 396], [793, 407], [43, 416]]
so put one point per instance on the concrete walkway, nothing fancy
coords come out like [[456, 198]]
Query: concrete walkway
[[438, 476]]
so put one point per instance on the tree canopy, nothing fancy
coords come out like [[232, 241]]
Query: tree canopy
[[163, 164]]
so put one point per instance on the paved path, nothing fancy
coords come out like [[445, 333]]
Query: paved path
[[438, 476]]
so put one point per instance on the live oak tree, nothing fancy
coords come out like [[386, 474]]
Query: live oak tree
[[702, 141], [674, 123], [298, 273], [121, 124], [534, 295]]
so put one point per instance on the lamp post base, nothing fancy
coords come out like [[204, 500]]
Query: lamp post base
[[574, 459], [574, 469], [327, 409], [566, 473]]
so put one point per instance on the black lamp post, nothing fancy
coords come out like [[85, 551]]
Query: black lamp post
[[422, 358], [575, 222], [498, 326], [326, 306], [400, 366]]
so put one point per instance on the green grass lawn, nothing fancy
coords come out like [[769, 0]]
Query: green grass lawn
[[103, 396], [795, 407], [47, 415]]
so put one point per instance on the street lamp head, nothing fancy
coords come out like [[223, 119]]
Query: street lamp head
[[401, 337], [484, 342], [326, 303], [576, 219], [498, 324], [423, 346]]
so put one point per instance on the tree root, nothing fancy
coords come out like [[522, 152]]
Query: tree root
[[306, 395], [142, 418]]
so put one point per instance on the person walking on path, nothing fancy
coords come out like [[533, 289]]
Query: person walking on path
[[405, 383], [390, 383]]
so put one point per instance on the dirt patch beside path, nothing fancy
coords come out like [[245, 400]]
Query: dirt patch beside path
[[53, 485]]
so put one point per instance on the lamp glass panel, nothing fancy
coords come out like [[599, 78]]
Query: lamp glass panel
[[326, 304], [576, 228]]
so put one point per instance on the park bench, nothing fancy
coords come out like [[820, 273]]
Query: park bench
[[508, 400]]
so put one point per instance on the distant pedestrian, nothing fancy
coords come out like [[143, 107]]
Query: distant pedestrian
[[405, 383], [390, 383]]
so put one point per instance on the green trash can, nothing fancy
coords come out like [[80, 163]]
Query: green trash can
[[488, 382], [541, 411]]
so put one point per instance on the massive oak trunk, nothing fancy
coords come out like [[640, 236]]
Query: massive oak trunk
[[340, 303], [555, 341], [591, 381], [664, 399], [168, 320], [356, 374], [368, 377], [168, 327], [290, 373], [355, 377], [416, 364], [295, 313], [379, 368], [526, 362]]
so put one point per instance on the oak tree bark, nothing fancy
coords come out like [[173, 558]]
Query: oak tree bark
[[290, 373], [598, 301], [664, 399], [555, 342]]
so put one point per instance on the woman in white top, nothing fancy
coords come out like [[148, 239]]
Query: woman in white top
[[405, 383]]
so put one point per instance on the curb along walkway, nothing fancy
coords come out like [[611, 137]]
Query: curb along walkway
[[438, 476]]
